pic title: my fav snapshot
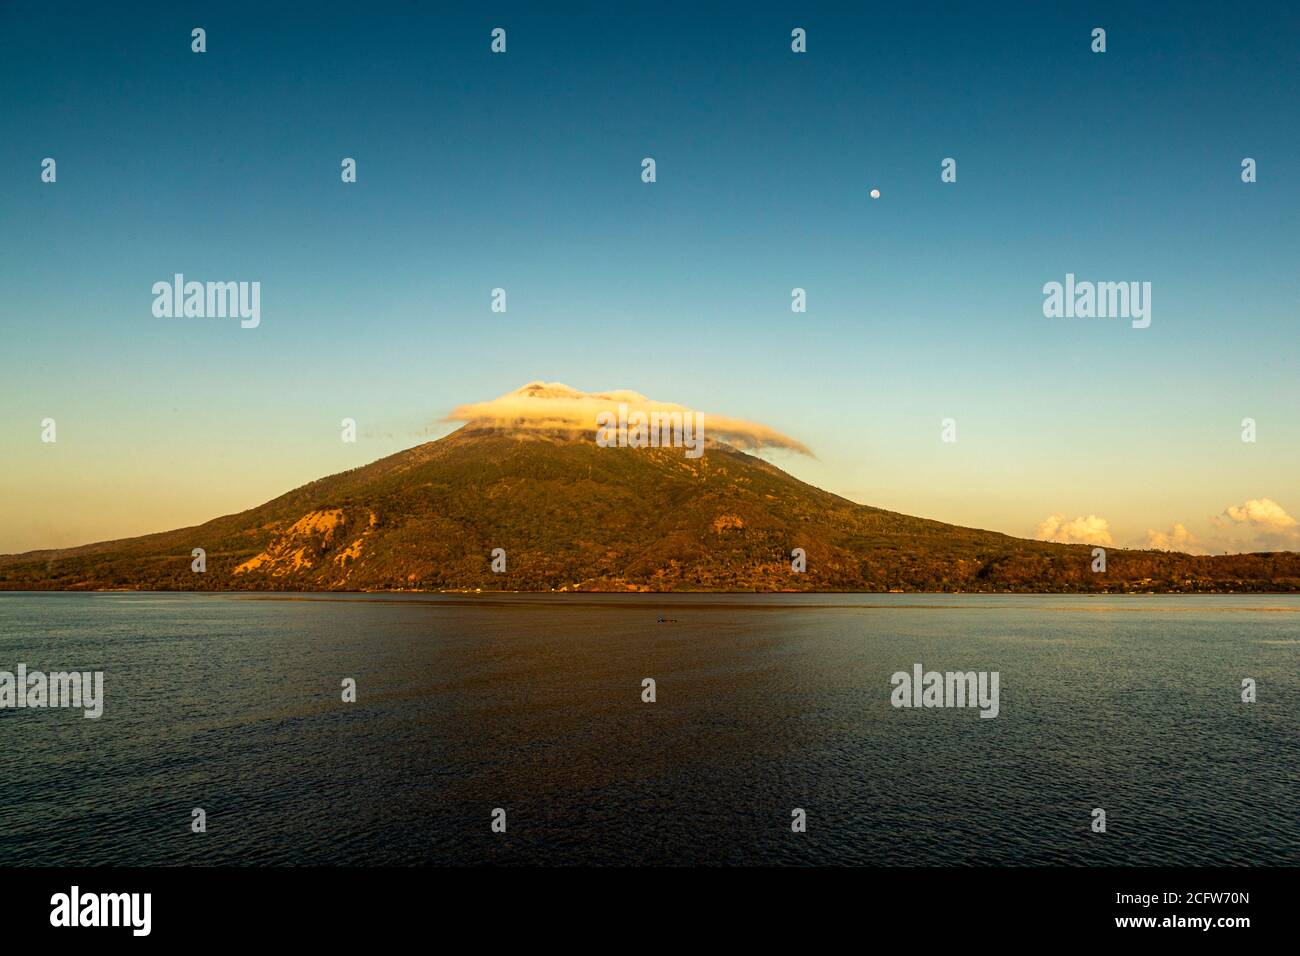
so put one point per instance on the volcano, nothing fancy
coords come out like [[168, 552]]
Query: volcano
[[567, 515]]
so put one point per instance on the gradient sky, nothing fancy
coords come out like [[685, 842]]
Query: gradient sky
[[523, 171]]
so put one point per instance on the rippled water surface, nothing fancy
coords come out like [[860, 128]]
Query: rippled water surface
[[765, 703]]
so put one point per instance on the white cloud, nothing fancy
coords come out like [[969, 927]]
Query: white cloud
[[1260, 524], [555, 405], [1177, 538], [1081, 530], [1262, 513]]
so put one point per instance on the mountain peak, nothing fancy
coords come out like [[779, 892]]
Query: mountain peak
[[554, 405], [565, 514]]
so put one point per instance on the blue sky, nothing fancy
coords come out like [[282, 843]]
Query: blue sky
[[522, 171]]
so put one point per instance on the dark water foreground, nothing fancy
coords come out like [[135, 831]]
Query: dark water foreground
[[533, 704]]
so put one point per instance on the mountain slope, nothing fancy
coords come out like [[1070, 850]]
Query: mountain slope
[[571, 515]]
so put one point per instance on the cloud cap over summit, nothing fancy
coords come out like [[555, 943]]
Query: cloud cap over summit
[[556, 405]]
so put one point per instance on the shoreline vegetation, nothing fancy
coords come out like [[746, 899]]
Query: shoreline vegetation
[[635, 591]]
